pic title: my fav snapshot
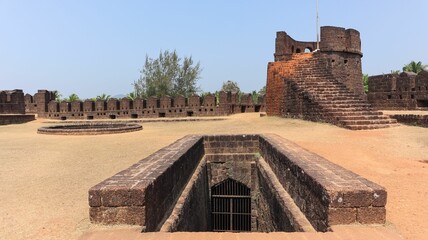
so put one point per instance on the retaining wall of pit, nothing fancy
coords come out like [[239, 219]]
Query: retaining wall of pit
[[146, 193]]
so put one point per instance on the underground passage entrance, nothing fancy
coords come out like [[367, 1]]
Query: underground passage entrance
[[230, 206], [236, 183]]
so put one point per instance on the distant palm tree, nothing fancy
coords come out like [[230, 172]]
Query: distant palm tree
[[72, 97], [57, 95], [104, 97], [414, 67]]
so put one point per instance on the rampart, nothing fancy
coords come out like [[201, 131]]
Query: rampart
[[44, 105], [404, 91], [12, 102], [12, 107]]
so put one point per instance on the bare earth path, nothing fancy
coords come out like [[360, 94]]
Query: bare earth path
[[44, 179]]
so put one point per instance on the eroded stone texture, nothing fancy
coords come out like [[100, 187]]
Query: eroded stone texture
[[405, 91]]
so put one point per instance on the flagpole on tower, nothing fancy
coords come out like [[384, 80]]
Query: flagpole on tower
[[318, 34]]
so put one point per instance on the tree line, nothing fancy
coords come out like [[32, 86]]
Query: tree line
[[168, 75], [171, 75]]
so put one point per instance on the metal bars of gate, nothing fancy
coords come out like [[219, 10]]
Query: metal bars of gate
[[231, 206]]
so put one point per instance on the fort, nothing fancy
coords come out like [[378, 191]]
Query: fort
[[255, 181], [325, 85]]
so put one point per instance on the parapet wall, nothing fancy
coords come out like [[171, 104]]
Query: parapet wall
[[339, 47], [405, 91], [45, 106], [12, 102]]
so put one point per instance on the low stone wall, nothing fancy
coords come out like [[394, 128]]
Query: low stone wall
[[6, 119], [325, 192], [144, 193], [90, 129], [194, 197], [412, 119]]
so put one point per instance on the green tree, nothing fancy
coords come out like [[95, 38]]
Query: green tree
[[104, 97], [255, 95], [132, 96], [57, 95], [72, 97], [230, 86], [366, 83], [262, 91], [168, 75], [415, 67]]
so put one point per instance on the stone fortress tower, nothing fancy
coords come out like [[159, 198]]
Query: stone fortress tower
[[325, 84]]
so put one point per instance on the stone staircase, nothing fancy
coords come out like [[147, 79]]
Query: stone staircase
[[327, 99]]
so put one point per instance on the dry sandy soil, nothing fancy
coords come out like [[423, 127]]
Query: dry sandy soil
[[44, 179]]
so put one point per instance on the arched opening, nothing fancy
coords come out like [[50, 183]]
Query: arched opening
[[230, 206], [308, 50], [292, 49], [298, 50]]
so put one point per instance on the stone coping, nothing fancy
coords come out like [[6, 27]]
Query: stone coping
[[183, 119], [90, 128]]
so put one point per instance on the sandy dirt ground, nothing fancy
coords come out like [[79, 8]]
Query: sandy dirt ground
[[44, 179]]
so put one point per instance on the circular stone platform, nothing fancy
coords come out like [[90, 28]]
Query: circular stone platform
[[90, 129]]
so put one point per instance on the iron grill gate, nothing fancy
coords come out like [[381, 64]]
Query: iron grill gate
[[231, 206]]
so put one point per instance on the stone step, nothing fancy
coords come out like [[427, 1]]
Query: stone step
[[363, 117], [340, 104], [347, 109], [369, 127], [353, 113], [367, 122]]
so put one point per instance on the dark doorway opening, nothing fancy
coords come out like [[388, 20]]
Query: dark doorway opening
[[90, 117], [231, 207], [134, 115], [243, 108], [422, 103], [189, 113], [162, 115], [112, 116]]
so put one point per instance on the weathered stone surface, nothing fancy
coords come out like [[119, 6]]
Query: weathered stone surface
[[405, 91], [118, 215], [342, 216], [371, 215]]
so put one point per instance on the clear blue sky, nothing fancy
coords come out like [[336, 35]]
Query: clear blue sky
[[94, 47]]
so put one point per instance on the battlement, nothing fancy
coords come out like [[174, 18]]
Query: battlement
[[337, 39], [402, 91], [12, 102], [333, 39], [227, 103]]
